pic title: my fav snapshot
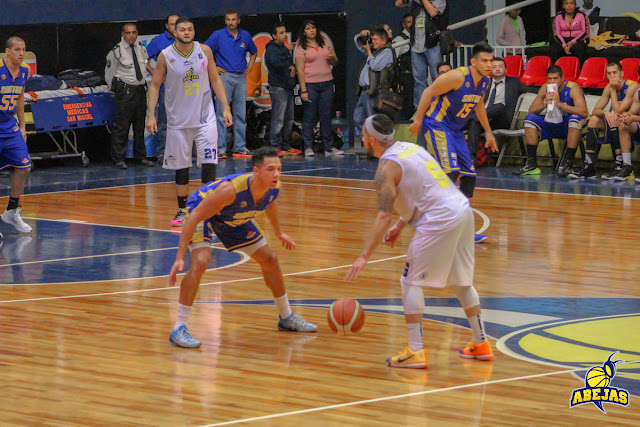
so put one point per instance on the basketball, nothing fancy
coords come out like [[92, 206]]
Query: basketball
[[596, 377], [345, 316]]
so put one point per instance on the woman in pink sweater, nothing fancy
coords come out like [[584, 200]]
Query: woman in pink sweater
[[511, 32], [570, 31]]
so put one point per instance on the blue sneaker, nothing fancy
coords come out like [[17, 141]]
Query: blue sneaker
[[294, 323], [182, 338], [481, 238]]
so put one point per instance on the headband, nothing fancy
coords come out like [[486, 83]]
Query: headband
[[368, 125]]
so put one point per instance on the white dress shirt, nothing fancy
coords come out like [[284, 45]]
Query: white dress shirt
[[120, 63], [499, 91]]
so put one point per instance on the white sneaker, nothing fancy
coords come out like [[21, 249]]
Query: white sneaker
[[13, 217], [334, 152], [309, 152]]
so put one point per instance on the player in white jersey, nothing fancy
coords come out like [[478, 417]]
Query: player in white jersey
[[441, 252], [188, 71]]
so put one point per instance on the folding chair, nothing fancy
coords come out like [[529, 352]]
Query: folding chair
[[515, 131]]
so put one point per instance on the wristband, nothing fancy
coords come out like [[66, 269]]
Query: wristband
[[303, 91]]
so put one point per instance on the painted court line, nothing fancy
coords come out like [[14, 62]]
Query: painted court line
[[386, 398]]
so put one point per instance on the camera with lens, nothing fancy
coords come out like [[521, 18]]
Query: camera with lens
[[363, 40]]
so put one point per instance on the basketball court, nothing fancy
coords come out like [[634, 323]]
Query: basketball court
[[86, 310]]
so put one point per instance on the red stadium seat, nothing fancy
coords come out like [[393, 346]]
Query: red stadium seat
[[630, 68], [515, 65], [570, 67], [593, 73], [536, 72]]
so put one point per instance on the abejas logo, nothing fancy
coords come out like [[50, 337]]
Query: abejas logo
[[596, 388]]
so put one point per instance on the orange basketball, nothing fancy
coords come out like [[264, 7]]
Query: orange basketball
[[346, 316]]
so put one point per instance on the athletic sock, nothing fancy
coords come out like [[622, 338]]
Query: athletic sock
[[626, 158], [477, 329], [282, 303], [13, 203], [571, 154], [182, 201], [415, 336], [182, 317], [531, 151]]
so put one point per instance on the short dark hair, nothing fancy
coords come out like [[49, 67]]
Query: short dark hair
[[10, 40], [442, 64], [232, 11], [497, 58], [170, 15], [615, 63], [383, 124], [380, 32], [183, 20], [128, 24], [406, 15], [276, 26], [481, 47], [554, 69], [258, 156]]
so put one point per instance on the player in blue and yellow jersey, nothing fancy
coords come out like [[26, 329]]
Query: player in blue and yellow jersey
[[13, 135], [619, 93], [569, 99], [444, 109], [227, 208], [629, 125]]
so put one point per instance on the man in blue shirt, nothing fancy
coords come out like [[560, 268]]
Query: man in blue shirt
[[157, 44], [230, 46]]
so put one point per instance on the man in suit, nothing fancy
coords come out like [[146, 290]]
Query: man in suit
[[500, 102]]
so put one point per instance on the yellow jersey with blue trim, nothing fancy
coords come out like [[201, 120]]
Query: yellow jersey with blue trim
[[244, 208], [10, 90], [453, 108]]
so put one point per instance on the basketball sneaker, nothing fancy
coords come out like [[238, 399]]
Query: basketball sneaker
[[295, 323], [587, 171], [309, 152], [565, 168], [625, 174], [333, 152], [293, 151], [480, 352], [409, 359], [479, 238], [182, 338], [13, 217], [178, 220], [244, 153], [529, 168]]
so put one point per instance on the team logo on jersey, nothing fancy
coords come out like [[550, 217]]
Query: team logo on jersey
[[4, 77], [172, 60], [199, 56], [251, 234], [243, 204], [596, 388], [25, 160], [190, 76], [188, 63], [467, 85]]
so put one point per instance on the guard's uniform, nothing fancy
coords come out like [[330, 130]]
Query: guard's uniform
[[234, 224], [445, 118], [441, 252], [13, 147], [190, 111], [556, 130]]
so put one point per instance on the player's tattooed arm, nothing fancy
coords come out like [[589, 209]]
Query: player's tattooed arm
[[386, 188]]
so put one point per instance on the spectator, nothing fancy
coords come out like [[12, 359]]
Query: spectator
[[374, 75], [568, 98], [230, 46], [403, 55], [594, 15], [124, 78], [314, 59], [570, 32], [444, 67], [407, 22], [512, 32], [282, 72], [428, 16], [157, 45], [500, 102]]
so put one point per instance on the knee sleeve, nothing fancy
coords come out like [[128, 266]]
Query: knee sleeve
[[467, 185], [412, 299], [208, 172], [614, 138], [592, 139], [467, 295], [182, 176]]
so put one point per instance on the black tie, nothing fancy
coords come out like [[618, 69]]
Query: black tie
[[135, 63], [492, 95]]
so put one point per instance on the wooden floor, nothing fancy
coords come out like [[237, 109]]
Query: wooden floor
[[97, 353]]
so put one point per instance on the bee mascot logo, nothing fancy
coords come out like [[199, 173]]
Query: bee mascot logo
[[596, 387]]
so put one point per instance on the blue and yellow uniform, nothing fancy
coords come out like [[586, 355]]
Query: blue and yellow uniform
[[556, 130], [445, 118], [13, 147], [234, 224]]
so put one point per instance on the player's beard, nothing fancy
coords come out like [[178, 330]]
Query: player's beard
[[183, 41]]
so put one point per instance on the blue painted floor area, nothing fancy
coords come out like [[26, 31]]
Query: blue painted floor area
[[70, 178], [61, 252]]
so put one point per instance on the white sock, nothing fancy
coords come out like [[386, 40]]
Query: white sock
[[626, 158], [477, 329], [182, 317], [415, 336], [283, 306]]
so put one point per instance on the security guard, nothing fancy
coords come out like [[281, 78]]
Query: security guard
[[124, 77]]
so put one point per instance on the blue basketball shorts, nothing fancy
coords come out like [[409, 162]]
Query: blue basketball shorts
[[14, 152], [450, 146], [553, 130]]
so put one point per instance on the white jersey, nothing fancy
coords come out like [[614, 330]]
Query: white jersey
[[187, 89], [426, 196]]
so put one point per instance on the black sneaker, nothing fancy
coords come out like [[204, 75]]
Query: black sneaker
[[612, 173], [587, 171], [565, 169], [625, 174], [529, 168]]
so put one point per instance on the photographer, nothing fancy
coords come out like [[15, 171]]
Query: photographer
[[428, 17], [375, 74]]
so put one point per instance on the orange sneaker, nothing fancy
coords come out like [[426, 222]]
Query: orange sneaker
[[480, 352], [409, 359], [293, 151]]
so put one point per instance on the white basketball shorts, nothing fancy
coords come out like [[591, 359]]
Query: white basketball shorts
[[177, 153]]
